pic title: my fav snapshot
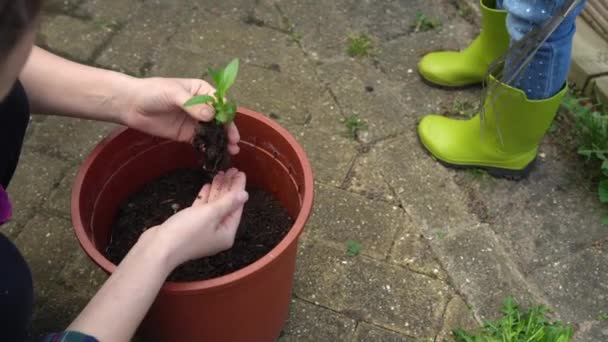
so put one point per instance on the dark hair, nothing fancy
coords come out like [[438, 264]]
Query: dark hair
[[16, 17]]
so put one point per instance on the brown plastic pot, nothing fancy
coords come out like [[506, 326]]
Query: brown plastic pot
[[250, 304]]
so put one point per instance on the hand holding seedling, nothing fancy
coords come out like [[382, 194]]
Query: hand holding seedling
[[209, 226], [156, 106]]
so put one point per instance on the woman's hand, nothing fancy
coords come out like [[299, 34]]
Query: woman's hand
[[206, 228], [209, 226], [155, 106]]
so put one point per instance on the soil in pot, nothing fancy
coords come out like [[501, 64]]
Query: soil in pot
[[211, 141], [264, 224]]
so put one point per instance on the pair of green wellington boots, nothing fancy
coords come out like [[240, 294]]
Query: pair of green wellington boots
[[506, 142]]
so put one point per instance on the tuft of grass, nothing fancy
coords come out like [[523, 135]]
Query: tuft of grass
[[591, 125], [518, 325], [359, 45], [354, 125], [464, 108], [295, 37], [465, 10], [353, 248], [425, 23], [290, 29], [478, 173], [602, 317]]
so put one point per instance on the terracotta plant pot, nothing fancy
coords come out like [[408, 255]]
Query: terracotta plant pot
[[250, 304]]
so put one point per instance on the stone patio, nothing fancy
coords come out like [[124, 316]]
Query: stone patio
[[441, 249]]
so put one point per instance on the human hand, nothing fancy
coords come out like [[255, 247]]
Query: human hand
[[155, 106], [207, 227]]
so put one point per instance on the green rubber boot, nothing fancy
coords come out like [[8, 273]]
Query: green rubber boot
[[468, 67], [505, 144]]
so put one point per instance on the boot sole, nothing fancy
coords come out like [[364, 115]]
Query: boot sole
[[513, 175], [496, 172]]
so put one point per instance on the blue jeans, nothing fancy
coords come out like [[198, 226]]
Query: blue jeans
[[548, 71]]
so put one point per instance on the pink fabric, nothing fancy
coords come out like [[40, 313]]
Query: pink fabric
[[6, 210]]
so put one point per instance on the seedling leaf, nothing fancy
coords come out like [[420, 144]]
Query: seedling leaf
[[605, 167], [216, 76], [603, 191], [353, 248], [223, 80], [229, 76], [226, 113], [197, 100]]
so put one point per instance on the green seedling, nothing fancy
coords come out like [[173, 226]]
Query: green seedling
[[591, 121], [359, 45], [223, 79], [518, 325], [465, 10], [602, 317], [464, 108], [295, 36], [424, 23], [353, 248], [478, 173], [354, 125]]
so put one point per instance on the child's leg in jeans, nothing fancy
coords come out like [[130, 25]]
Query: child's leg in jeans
[[548, 71]]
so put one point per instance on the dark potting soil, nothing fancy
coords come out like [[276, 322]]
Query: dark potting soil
[[264, 224], [211, 141]]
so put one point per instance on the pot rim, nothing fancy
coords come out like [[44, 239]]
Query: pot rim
[[214, 283]]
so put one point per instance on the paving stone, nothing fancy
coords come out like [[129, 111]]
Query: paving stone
[[340, 216], [46, 242], [545, 218], [589, 55], [482, 270], [81, 276], [457, 316], [592, 331], [601, 88], [577, 285], [424, 187], [202, 41], [400, 57], [316, 126], [381, 108], [134, 48], [411, 249], [369, 333], [35, 177], [325, 27], [284, 84], [328, 168], [109, 13], [368, 290], [75, 38], [60, 198], [57, 312], [308, 322], [60, 5], [68, 138], [399, 60], [58, 267]]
